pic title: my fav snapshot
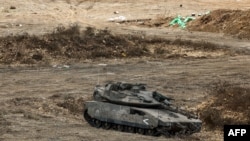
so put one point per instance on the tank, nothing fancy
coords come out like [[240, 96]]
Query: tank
[[132, 108]]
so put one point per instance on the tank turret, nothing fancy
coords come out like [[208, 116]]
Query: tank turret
[[129, 94]]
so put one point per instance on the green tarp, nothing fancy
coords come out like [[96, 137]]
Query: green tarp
[[181, 21]]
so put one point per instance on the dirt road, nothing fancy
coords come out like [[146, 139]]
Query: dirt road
[[32, 99]]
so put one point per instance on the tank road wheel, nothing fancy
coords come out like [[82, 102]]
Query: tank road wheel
[[150, 132], [157, 134], [120, 128], [106, 125], [97, 123], [140, 131], [131, 129], [172, 133], [188, 133]]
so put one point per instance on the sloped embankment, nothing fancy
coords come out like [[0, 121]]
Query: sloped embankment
[[228, 104], [230, 22], [71, 44]]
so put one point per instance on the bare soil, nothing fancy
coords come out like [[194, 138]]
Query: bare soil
[[230, 22], [52, 55]]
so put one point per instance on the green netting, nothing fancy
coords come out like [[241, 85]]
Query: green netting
[[181, 21]]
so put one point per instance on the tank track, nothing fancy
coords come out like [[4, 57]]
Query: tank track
[[122, 128]]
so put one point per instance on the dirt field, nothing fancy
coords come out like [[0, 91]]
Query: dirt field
[[52, 55]]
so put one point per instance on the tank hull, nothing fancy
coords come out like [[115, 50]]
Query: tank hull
[[141, 120]]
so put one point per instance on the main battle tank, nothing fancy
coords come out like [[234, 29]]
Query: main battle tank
[[131, 108]]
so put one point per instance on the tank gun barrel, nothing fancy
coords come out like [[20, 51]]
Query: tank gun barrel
[[178, 110], [159, 97]]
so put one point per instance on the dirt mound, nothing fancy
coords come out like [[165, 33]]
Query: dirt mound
[[228, 105], [19, 101], [73, 45], [75, 106], [36, 108], [67, 43], [230, 22]]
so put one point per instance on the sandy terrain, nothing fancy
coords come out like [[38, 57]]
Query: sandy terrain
[[43, 87]]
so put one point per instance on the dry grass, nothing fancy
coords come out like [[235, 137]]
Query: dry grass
[[228, 105], [72, 44]]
